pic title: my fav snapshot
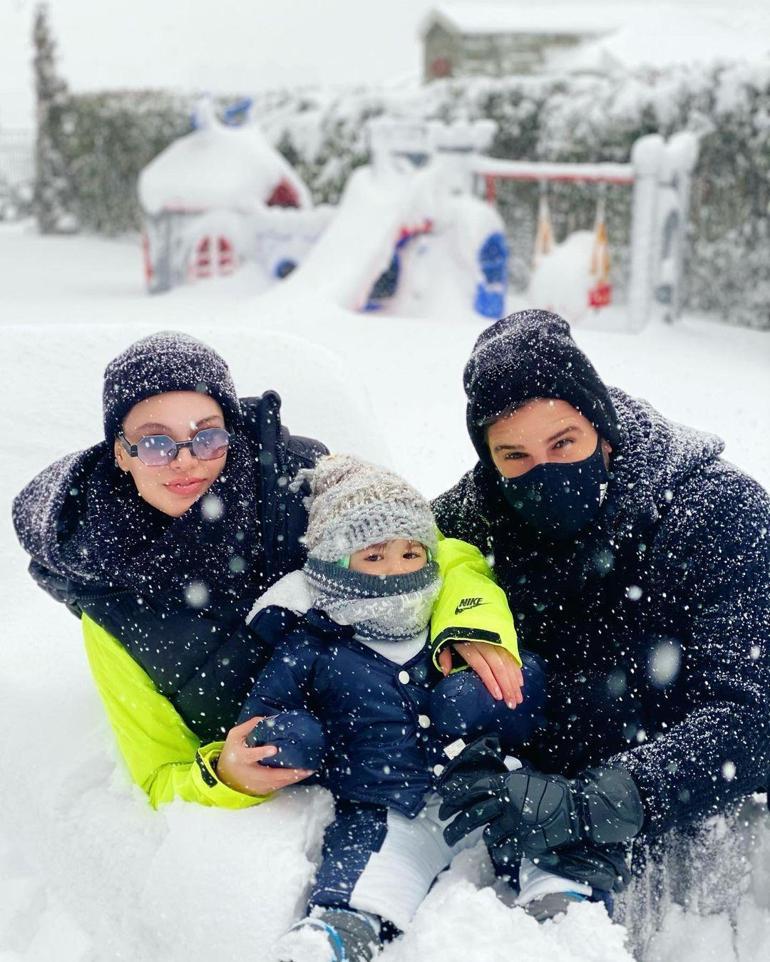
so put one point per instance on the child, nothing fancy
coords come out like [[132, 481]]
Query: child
[[355, 696]]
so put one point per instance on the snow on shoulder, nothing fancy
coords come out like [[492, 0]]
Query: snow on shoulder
[[218, 166]]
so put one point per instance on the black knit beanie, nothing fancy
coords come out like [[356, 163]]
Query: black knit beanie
[[531, 354], [167, 361]]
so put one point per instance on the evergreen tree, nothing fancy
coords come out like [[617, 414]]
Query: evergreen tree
[[52, 195]]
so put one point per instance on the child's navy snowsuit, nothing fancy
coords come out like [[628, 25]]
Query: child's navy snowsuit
[[384, 726]]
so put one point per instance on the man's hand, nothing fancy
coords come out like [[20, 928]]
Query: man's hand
[[495, 666], [239, 768], [531, 813]]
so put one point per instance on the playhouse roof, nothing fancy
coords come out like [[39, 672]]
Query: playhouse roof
[[217, 167]]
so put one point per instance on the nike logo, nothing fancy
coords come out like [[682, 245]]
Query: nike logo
[[468, 603]]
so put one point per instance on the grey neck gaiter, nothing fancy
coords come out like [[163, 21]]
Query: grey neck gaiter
[[383, 608]]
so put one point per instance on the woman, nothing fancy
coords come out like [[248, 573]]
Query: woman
[[160, 538]]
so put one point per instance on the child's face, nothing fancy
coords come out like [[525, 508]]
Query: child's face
[[398, 557]]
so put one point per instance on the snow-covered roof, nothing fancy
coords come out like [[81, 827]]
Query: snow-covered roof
[[625, 34], [217, 166], [524, 17], [657, 37]]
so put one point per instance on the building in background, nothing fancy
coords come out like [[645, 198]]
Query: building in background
[[495, 40], [514, 38]]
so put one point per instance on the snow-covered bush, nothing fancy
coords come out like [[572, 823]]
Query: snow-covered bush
[[107, 140]]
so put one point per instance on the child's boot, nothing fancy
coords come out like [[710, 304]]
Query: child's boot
[[554, 904], [334, 935]]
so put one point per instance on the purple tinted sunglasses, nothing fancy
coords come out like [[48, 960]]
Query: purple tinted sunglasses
[[155, 450]]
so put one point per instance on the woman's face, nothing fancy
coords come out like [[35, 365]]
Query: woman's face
[[541, 431], [173, 487]]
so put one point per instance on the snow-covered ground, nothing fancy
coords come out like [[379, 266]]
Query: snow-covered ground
[[87, 871]]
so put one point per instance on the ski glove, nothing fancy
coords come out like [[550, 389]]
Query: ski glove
[[603, 867], [534, 813]]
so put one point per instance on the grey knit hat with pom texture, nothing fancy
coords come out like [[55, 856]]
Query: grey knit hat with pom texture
[[353, 504]]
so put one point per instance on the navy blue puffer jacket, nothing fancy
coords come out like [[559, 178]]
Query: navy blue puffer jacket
[[384, 723]]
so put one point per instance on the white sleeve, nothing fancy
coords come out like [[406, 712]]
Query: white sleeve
[[292, 592]]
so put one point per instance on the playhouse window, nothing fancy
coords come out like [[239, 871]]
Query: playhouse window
[[284, 195]]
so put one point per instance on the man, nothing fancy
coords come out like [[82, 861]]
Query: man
[[637, 564]]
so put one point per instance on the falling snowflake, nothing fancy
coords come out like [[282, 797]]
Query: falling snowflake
[[728, 771], [212, 507], [663, 666], [196, 594]]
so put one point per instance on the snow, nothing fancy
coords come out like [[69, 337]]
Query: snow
[[660, 35], [216, 166], [89, 871], [543, 170], [367, 226], [561, 280]]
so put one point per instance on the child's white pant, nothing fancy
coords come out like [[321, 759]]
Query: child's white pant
[[397, 877]]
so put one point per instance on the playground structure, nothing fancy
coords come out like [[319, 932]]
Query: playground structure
[[409, 236], [221, 196], [416, 232], [660, 174]]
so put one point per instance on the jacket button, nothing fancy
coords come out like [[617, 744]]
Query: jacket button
[[423, 721], [403, 677]]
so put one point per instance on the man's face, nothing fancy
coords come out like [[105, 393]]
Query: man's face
[[542, 431]]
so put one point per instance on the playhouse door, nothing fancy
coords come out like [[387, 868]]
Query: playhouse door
[[213, 255]]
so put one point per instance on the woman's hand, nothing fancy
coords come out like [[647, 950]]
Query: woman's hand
[[495, 666], [238, 766]]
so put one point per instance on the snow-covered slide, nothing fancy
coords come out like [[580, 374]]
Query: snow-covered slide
[[357, 246]]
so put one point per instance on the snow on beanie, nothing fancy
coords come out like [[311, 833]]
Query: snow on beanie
[[353, 504], [531, 354], [166, 361]]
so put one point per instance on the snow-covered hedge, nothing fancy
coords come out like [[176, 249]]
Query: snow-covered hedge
[[106, 139], [109, 137]]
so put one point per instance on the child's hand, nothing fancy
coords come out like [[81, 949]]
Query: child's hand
[[239, 768], [495, 666]]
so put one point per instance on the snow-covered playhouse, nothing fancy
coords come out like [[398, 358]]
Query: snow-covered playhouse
[[220, 196]]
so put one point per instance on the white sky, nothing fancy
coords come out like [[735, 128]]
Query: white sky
[[220, 45]]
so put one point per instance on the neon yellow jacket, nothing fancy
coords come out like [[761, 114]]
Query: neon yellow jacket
[[167, 760]]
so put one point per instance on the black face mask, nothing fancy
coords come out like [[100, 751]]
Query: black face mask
[[558, 500]]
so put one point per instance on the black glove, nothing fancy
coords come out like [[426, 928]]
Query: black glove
[[533, 813], [602, 867]]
